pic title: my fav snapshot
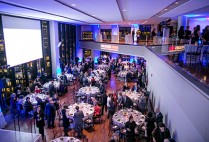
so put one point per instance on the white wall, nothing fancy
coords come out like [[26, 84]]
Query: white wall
[[183, 105], [54, 40], [194, 23]]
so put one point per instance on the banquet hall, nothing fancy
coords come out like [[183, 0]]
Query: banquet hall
[[104, 71]]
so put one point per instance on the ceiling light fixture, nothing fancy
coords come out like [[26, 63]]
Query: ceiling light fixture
[[73, 5], [94, 15], [124, 10], [176, 2], [166, 9]]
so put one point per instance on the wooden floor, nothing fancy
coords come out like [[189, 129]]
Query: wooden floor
[[101, 130]]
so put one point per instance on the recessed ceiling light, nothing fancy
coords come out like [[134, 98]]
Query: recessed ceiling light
[[124, 10], [94, 15], [166, 9], [176, 2], [145, 21], [73, 5]]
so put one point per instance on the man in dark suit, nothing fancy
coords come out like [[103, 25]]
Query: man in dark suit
[[125, 87], [127, 102], [78, 119], [51, 112], [51, 89], [159, 116], [65, 121]]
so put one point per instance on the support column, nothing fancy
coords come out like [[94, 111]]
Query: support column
[[115, 34], [96, 33], [54, 41], [182, 21]]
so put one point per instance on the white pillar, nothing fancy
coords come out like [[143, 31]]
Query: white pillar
[[54, 40], [115, 34], [182, 21]]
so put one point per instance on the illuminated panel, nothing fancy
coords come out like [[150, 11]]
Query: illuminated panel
[[109, 47]]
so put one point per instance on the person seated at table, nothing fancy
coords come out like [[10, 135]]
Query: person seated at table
[[150, 124], [114, 138], [160, 133], [93, 81], [39, 117], [37, 82], [94, 101], [130, 129], [28, 106], [142, 104], [127, 102], [135, 87], [37, 90], [27, 91], [78, 119], [65, 121], [125, 87], [97, 109]]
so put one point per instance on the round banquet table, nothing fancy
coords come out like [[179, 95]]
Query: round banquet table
[[66, 139], [99, 72], [88, 91], [56, 85], [134, 96], [3, 123], [95, 77], [69, 76], [122, 116], [33, 98], [122, 74], [88, 110], [102, 66]]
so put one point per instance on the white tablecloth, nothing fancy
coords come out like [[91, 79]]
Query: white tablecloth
[[122, 116], [123, 74], [95, 77], [99, 72], [33, 98], [69, 77], [88, 90], [134, 96], [102, 66], [3, 123], [88, 110], [56, 85], [66, 139]]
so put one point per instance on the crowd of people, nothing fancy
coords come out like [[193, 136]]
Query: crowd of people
[[47, 109], [196, 35]]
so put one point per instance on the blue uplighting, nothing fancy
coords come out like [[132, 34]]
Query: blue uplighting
[[192, 15], [202, 19]]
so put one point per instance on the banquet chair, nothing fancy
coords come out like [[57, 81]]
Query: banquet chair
[[90, 123], [83, 98], [99, 117], [112, 127], [99, 97]]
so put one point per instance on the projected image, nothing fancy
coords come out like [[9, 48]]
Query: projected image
[[22, 42]]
